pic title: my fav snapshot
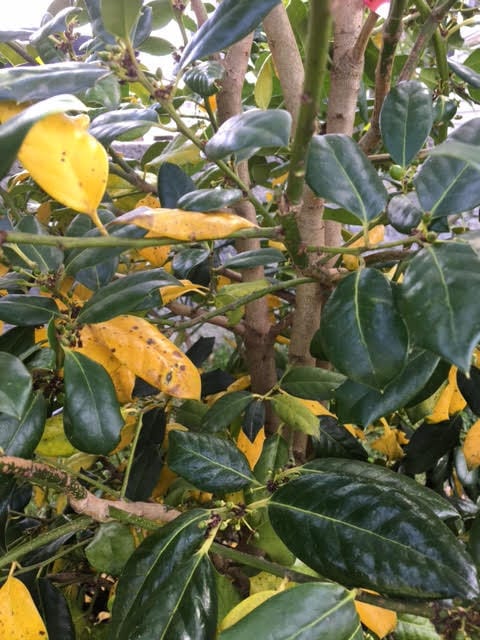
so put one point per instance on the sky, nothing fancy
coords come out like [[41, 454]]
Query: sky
[[23, 13]]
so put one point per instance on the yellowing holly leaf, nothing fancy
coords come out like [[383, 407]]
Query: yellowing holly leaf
[[186, 226], [375, 235], [173, 291], [93, 347], [457, 401], [251, 450], [54, 442], [156, 256], [240, 384], [388, 444], [450, 400], [380, 621], [245, 607], [149, 201], [19, 617], [64, 159], [139, 346], [471, 446]]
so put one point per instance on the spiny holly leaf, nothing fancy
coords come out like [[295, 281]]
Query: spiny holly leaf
[[187, 226], [139, 346]]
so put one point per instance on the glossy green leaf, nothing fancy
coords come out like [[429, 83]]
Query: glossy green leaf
[[173, 183], [134, 291], [429, 443], [15, 385], [45, 258], [224, 411], [109, 126], [254, 419], [22, 84], [358, 534], [105, 92], [26, 310], [340, 172], [437, 292], [111, 547], [120, 16], [20, 436], [209, 199], [14, 130], [294, 414], [308, 611], [473, 545], [460, 150], [470, 388], [362, 334], [54, 610], [387, 480], [162, 13], [229, 23], [406, 119], [254, 258], [404, 212], [337, 442], [92, 418], [209, 463], [167, 588], [205, 78], [156, 46], [465, 73], [362, 405], [247, 132], [311, 383], [149, 457], [410, 627], [190, 414], [447, 184], [273, 458]]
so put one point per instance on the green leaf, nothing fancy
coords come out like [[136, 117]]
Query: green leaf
[[470, 388], [311, 383], [361, 331], [156, 46], [111, 547], [447, 184], [358, 534], [465, 73], [404, 212], [46, 258], [229, 23], [340, 172], [205, 78], [162, 13], [337, 442], [254, 419], [15, 385], [173, 183], [92, 418], [254, 258], [387, 480], [429, 443], [54, 610], [274, 457], [206, 200], [139, 290], [295, 414], [247, 132], [362, 405], [149, 457], [109, 126], [26, 310], [120, 17], [406, 119], [224, 411], [410, 627], [170, 564], [14, 130], [437, 292], [190, 414], [20, 436], [22, 84], [208, 462], [307, 611]]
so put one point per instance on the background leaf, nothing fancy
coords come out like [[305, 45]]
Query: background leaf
[[224, 410], [15, 385], [120, 16], [311, 382]]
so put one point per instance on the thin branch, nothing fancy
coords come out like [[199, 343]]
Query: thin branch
[[130, 174], [180, 309], [21, 52], [360, 46]]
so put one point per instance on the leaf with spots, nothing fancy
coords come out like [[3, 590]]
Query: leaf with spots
[[149, 355], [19, 617], [186, 226]]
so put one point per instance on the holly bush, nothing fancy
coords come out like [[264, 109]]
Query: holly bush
[[239, 362]]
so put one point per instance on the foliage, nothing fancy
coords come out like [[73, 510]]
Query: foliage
[[158, 481]]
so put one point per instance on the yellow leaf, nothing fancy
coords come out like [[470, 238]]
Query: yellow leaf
[[265, 581], [149, 201], [139, 346], [64, 159], [471, 446], [19, 617], [173, 291], [54, 442], [167, 476], [251, 450], [240, 384], [375, 235], [187, 226], [457, 401], [122, 376], [380, 621], [44, 212], [317, 408], [156, 256], [245, 607], [355, 431], [388, 444]]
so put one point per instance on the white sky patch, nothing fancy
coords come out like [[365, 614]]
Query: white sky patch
[[23, 13]]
